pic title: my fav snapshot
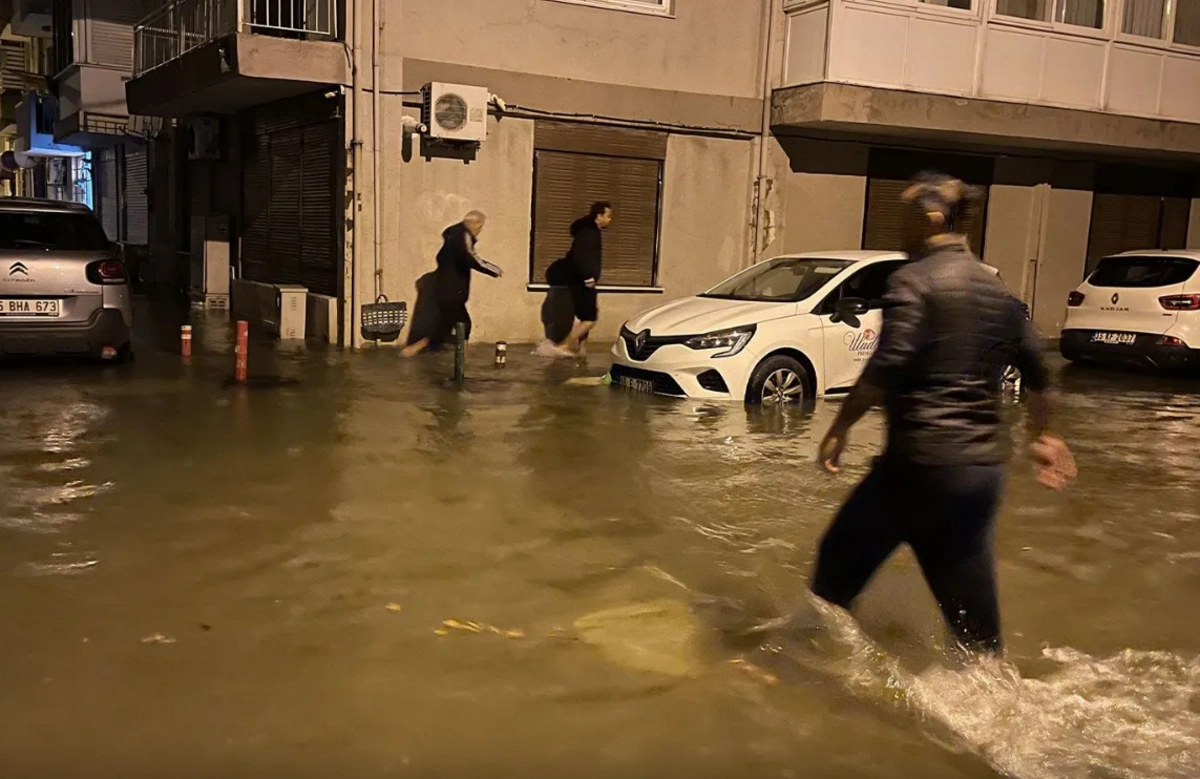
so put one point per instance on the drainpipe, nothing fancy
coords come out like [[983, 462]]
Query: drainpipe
[[376, 131], [760, 182], [356, 163]]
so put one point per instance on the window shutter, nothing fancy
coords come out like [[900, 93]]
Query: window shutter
[[286, 187], [1121, 223], [136, 181], [1175, 216], [575, 166], [887, 215]]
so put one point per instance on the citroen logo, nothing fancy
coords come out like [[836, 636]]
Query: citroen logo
[[18, 267], [1115, 298], [639, 340]]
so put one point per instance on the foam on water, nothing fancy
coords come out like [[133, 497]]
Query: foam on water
[[1135, 715]]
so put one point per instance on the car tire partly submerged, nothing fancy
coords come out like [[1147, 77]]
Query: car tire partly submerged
[[777, 381]]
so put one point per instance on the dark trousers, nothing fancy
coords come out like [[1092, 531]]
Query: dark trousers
[[946, 515], [451, 311]]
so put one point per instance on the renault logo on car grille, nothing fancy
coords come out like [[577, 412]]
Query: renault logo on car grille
[[1115, 298], [639, 340], [18, 267]]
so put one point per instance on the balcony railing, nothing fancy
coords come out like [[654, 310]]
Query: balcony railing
[[183, 25]]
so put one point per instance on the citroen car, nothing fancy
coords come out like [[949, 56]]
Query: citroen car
[[63, 287], [1140, 307]]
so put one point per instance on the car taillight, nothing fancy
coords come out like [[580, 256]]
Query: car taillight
[[106, 272], [1170, 340], [1180, 302], [1075, 299]]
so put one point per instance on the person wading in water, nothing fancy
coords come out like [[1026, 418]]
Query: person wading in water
[[452, 280], [947, 324]]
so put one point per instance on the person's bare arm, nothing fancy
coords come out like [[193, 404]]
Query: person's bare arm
[[1055, 463]]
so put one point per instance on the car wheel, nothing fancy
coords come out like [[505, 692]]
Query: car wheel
[[777, 381]]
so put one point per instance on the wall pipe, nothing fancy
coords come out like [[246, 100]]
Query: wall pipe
[[376, 132], [764, 139], [356, 162]]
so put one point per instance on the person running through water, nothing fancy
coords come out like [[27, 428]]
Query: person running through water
[[452, 280], [585, 261], [947, 323]]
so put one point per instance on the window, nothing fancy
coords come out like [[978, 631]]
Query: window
[[576, 165], [1142, 272], [1187, 23], [64, 35], [869, 284], [1153, 19], [784, 280], [47, 230], [659, 7], [962, 5], [1079, 13]]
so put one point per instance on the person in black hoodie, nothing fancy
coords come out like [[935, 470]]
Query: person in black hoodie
[[581, 272], [452, 280]]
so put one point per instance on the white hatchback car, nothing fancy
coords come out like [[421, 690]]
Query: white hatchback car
[[784, 329], [1139, 307]]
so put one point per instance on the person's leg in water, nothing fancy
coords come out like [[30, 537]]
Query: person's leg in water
[[952, 539], [863, 535], [584, 299]]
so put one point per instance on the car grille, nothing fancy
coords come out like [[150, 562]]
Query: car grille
[[649, 345], [712, 381], [663, 384]]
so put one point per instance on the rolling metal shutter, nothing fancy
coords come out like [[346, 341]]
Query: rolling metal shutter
[[1173, 230], [1121, 223], [292, 177], [137, 179], [577, 165], [108, 203], [887, 214], [1138, 208], [110, 26]]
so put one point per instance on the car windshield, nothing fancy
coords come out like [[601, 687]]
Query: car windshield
[[72, 232], [782, 280], [1142, 271]]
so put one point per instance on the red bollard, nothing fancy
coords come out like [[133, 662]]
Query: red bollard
[[185, 340], [241, 351]]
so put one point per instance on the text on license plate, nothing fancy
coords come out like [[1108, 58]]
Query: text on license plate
[[30, 307], [1114, 339], [637, 385]]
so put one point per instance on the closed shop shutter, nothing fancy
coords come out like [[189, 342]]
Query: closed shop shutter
[[110, 26], [290, 203], [1175, 216], [109, 204], [137, 217], [1121, 223], [887, 214], [576, 166]]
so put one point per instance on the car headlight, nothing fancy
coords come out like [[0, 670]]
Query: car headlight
[[729, 341]]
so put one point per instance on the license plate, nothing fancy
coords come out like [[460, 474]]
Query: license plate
[[1114, 339], [31, 307], [637, 385]]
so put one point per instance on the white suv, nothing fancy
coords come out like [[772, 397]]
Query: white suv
[[1139, 307]]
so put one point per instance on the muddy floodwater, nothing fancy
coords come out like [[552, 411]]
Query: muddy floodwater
[[352, 569]]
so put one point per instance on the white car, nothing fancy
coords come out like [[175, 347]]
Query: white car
[[787, 328], [1139, 307]]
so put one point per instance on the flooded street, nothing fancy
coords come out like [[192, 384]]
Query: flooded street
[[203, 580]]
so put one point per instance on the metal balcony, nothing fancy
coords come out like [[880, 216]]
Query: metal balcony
[[183, 25]]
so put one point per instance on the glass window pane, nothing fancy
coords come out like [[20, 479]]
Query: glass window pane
[[1187, 22], [1037, 10], [1081, 13], [1144, 18], [962, 5]]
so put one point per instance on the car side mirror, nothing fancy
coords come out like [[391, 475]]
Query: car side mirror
[[848, 310]]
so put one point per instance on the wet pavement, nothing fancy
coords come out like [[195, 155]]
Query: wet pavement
[[350, 568]]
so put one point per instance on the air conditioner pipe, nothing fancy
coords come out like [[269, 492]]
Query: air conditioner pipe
[[376, 132], [764, 140], [356, 170]]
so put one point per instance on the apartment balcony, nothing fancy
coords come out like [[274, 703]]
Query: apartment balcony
[[1115, 76], [220, 56]]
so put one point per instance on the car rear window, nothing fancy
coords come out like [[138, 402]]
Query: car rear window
[[1142, 271], [72, 232]]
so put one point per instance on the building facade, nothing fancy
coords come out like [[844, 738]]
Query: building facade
[[721, 131]]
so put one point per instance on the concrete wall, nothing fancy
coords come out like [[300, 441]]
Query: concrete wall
[[709, 46], [823, 193], [1193, 239], [704, 232]]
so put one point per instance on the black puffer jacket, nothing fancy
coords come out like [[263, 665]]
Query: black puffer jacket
[[587, 249], [949, 327]]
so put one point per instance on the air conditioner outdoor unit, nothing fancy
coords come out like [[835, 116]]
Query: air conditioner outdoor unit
[[453, 112], [204, 138], [210, 262]]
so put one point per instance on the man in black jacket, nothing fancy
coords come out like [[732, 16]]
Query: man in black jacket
[[581, 272], [948, 324], [456, 261]]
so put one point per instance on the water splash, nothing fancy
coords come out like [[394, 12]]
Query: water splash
[[1135, 715]]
